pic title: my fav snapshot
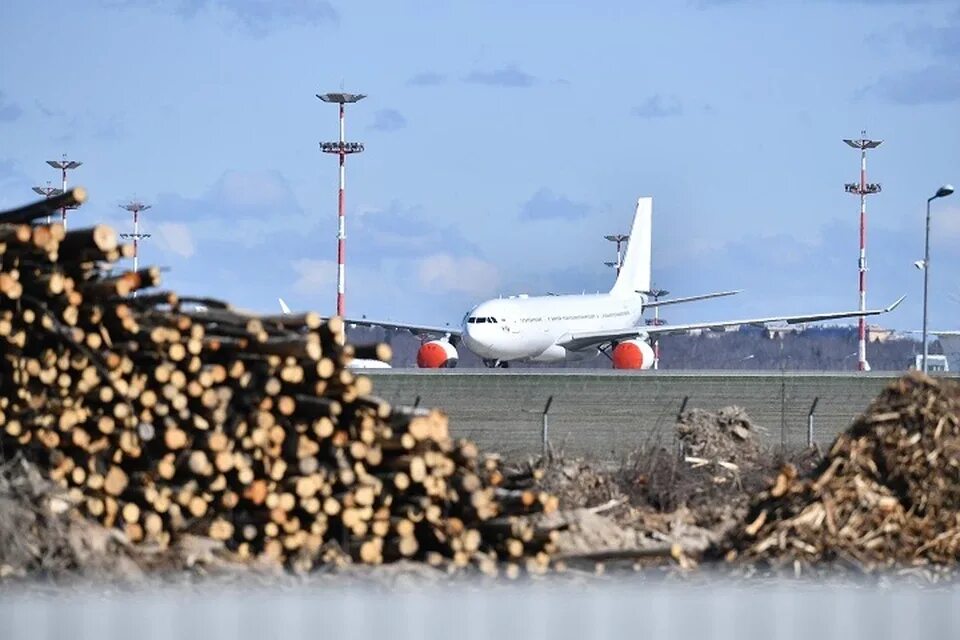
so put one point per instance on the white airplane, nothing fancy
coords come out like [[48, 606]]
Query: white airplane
[[559, 328]]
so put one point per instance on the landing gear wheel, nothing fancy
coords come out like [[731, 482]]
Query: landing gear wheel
[[490, 363]]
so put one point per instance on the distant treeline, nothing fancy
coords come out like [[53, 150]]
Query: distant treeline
[[815, 349]]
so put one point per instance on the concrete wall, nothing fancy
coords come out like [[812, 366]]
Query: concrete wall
[[607, 414]]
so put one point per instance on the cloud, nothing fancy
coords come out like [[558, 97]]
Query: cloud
[[241, 209], [256, 17], [261, 16], [939, 81], [9, 111], [313, 275], [253, 190], [48, 112], [508, 76], [399, 231], [443, 273], [66, 127], [942, 39], [945, 226], [388, 120], [933, 84], [176, 238], [247, 239], [109, 129], [544, 205], [427, 79], [658, 106]]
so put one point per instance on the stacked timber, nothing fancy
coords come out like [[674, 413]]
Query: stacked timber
[[164, 415], [886, 496]]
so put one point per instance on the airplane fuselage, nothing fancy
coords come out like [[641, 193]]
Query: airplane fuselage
[[528, 328]]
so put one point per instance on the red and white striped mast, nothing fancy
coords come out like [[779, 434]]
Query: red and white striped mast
[[48, 192], [863, 189], [135, 207], [342, 148], [64, 165]]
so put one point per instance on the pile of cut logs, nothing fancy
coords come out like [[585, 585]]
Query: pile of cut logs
[[886, 496], [165, 415]]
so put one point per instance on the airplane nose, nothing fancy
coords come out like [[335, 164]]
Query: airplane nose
[[472, 340], [469, 334]]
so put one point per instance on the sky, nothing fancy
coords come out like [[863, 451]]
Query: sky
[[503, 141]]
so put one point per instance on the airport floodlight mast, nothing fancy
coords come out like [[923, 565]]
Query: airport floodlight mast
[[619, 239], [342, 148], [656, 294], [48, 192], [64, 165], [863, 189], [135, 207]]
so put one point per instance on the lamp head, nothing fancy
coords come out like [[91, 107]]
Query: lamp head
[[944, 191]]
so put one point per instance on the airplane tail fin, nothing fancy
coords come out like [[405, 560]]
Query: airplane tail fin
[[635, 269], [283, 306]]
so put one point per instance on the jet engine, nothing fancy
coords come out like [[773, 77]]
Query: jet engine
[[437, 354], [632, 354]]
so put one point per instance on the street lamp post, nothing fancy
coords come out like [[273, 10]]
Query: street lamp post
[[942, 192]]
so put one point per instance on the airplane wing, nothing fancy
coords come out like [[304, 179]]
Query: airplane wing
[[577, 341], [416, 329], [705, 296]]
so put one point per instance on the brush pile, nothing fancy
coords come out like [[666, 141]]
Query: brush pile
[[162, 416], [886, 496], [727, 436]]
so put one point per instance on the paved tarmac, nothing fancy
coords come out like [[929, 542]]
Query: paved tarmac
[[607, 414]]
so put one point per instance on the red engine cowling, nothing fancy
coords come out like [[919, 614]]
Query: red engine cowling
[[437, 354], [632, 354]]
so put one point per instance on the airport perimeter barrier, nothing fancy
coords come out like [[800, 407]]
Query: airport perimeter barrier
[[605, 415]]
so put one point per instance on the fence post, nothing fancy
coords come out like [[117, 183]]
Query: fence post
[[683, 407], [813, 409], [783, 404], [545, 431]]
